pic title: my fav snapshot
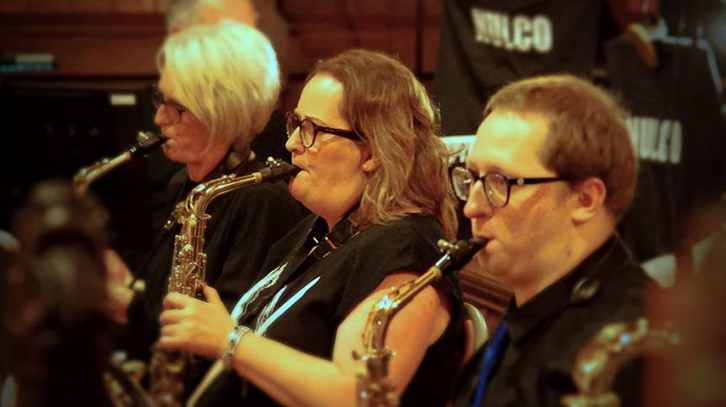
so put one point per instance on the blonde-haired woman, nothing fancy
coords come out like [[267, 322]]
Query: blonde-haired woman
[[374, 174], [217, 88]]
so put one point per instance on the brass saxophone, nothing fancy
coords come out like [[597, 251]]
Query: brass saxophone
[[145, 143], [374, 388], [167, 368], [599, 360]]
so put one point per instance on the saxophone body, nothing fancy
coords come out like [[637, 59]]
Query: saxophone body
[[600, 359], [374, 387], [168, 369]]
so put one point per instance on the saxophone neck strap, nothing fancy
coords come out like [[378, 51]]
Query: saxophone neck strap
[[331, 241]]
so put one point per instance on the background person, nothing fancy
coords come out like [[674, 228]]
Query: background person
[[218, 86], [181, 15]]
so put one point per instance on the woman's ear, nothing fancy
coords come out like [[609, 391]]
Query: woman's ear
[[370, 164]]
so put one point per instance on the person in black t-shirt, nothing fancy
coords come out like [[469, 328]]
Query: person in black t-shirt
[[486, 44], [374, 173], [550, 175], [217, 88], [270, 142]]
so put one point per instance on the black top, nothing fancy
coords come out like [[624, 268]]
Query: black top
[[332, 287], [486, 44], [244, 224], [679, 134], [545, 334]]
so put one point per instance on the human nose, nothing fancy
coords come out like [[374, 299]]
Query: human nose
[[477, 204], [293, 143], [161, 117]]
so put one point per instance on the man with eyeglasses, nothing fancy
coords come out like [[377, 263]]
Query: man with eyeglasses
[[550, 175]]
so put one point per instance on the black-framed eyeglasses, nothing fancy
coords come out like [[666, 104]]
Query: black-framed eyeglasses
[[496, 186], [173, 110], [310, 130]]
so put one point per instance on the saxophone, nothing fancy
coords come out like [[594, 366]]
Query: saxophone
[[599, 360], [167, 368], [373, 387], [145, 143]]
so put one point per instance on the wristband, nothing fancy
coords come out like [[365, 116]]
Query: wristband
[[234, 337]]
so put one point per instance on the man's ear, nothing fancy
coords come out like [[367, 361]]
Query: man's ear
[[590, 197]]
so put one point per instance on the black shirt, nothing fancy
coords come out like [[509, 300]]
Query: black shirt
[[244, 224], [486, 44], [545, 334], [332, 287], [679, 134]]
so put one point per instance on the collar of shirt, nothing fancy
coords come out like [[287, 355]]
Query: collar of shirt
[[232, 163], [524, 320]]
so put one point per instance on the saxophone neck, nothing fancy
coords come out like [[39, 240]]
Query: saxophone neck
[[374, 334], [204, 193], [83, 179], [146, 142]]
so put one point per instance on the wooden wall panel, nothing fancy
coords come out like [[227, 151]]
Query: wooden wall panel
[[134, 6], [92, 6], [87, 44], [95, 56], [14, 6], [51, 6], [162, 5], [112, 37]]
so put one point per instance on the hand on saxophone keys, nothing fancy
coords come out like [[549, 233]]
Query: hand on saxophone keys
[[119, 292], [195, 326]]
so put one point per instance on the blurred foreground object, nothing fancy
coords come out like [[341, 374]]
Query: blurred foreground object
[[694, 374], [599, 361], [57, 332]]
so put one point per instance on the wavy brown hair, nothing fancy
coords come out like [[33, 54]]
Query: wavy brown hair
[[385, 104]]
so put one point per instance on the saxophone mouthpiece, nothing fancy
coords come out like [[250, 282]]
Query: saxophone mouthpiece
[[145, 143], [277, 170], [458, 253]]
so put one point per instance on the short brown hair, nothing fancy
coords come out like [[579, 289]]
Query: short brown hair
[[587, 137], [385, 103]]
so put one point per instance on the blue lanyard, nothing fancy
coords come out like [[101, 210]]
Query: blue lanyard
[[490, 357]]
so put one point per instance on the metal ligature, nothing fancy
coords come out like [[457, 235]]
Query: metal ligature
[[167, 368], [600, 359], [374, 387], [145, 143]]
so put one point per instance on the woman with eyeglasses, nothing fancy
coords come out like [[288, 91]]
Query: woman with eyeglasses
[[374, 174], [217, 87]]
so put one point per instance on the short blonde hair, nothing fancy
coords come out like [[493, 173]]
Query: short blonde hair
[[385, 103], [227, 75]]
